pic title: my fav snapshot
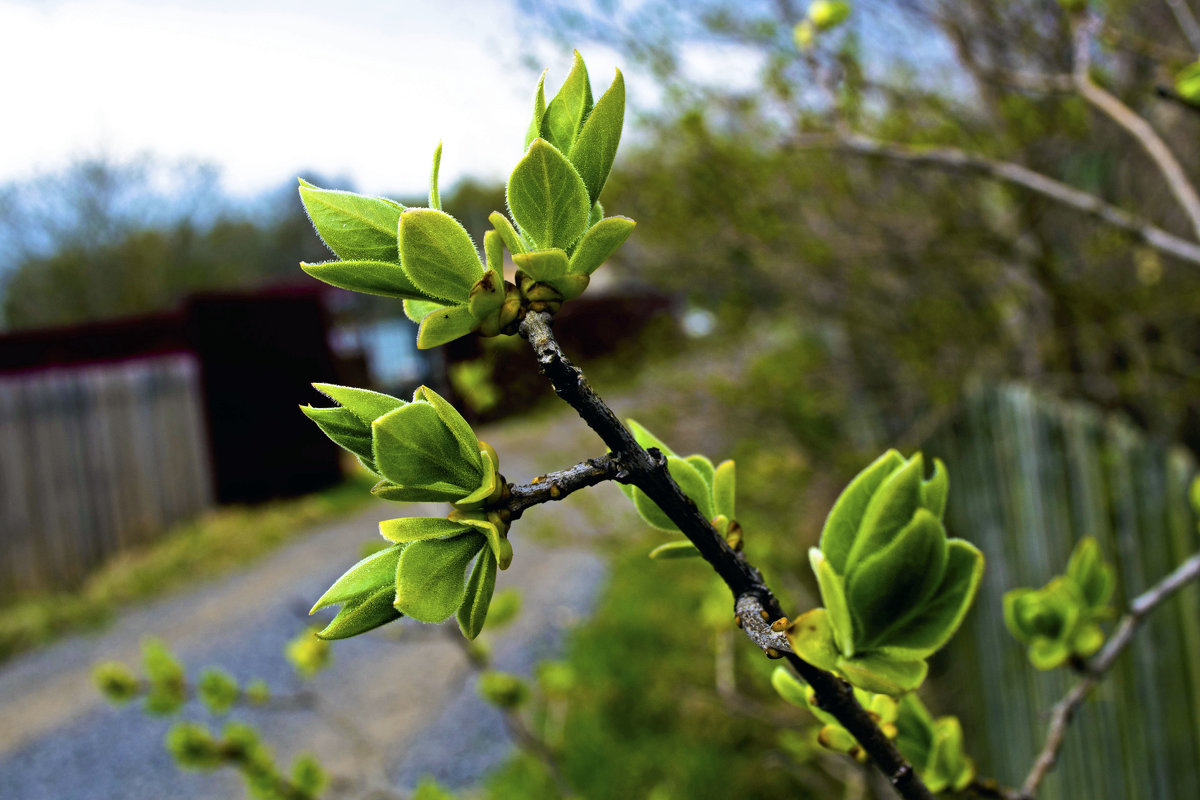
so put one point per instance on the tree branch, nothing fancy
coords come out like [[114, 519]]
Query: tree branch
[[557, 485], [1127, 118], [1097, 668], [1187, 22], [648, 471], [955, 160]]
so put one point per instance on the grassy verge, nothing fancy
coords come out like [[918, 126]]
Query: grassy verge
[[215, 543]]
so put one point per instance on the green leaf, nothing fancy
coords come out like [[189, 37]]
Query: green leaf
[[1094, 578], [413, 447], [355, 227], [833, 595], [435, 198], [882, 674], [705, 467], [445, 325], [927, 630], [828, 14], [468, 443], [596, 146], [417, 310], [543, 265], [499, 544], [789, 687], [674, 550], [493, 249], [569, 108], [430, 577], [935, 490], [512, 239], [647, 439], [811, 636], [1187, 83], [894, 582], [842, 524], [596, 214], [416, 529], [725, 489], [599, 242], [539, 111], [382, 278], [437, 254], [481, 584], [1047, 654], [366, 613], [346, 430], [547, 198], [378, 569], [439, 492], [891, 508], [488, 486], [364, 404]]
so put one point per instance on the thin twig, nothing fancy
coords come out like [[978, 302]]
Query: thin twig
[[955, 160], [1187, 22], [1064, 710], [557, 485], [647, 469], [1172, 172]]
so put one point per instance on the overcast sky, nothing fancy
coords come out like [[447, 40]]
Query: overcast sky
[[268, 90]]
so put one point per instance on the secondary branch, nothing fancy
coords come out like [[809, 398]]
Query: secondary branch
[[647, 469]]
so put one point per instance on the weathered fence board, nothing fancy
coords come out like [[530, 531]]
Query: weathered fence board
[[93, 460], [1031, 476]]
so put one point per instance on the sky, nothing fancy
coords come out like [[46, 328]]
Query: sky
[[271, 90]]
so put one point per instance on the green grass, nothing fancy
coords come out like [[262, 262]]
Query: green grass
[[210, 545]]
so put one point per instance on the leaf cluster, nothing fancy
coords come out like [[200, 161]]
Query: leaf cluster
[[894, 587], [1060, 622]]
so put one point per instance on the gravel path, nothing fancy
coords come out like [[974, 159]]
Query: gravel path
[[396, 704]]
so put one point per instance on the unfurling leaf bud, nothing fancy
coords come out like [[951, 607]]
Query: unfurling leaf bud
[[894, 587]]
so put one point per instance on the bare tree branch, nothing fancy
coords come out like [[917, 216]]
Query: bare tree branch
[[557, 485], [647, 469], [1172, 172], [1097, 668], [1187, 22], [955, 160]]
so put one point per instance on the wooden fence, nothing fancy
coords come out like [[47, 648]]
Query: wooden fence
[[93, 460], [1029, 477]]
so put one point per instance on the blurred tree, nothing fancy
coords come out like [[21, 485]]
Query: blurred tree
[[857, 210]]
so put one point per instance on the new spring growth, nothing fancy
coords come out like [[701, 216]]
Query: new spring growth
[[711, 488], [1059, 623], [423, 451], [933, 747], [426, 258], [894, 587]]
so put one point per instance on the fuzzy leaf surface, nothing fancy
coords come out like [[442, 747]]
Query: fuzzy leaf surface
[[547, 197]]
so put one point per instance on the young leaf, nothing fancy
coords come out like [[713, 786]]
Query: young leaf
[[674, 550], [366, 613], [647, 439], [493, 250], [725, 489], [468, 443], [512, 239], [891, 508], [706, 469], [417, 529], [430, 576], [363, 578], [543, 265], [487, 295], [383, 278], [481, 584], [567, 111], [596, 146], [355, 227], [346, 430], [844, 520], [445, 325], [417, 310], [833, 595], [364, 404], [599, 242], [539, 111], [547, 197], [883, 675], [438, 492], [789, 687], [414, 448], [437, 254], [435, 199]]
